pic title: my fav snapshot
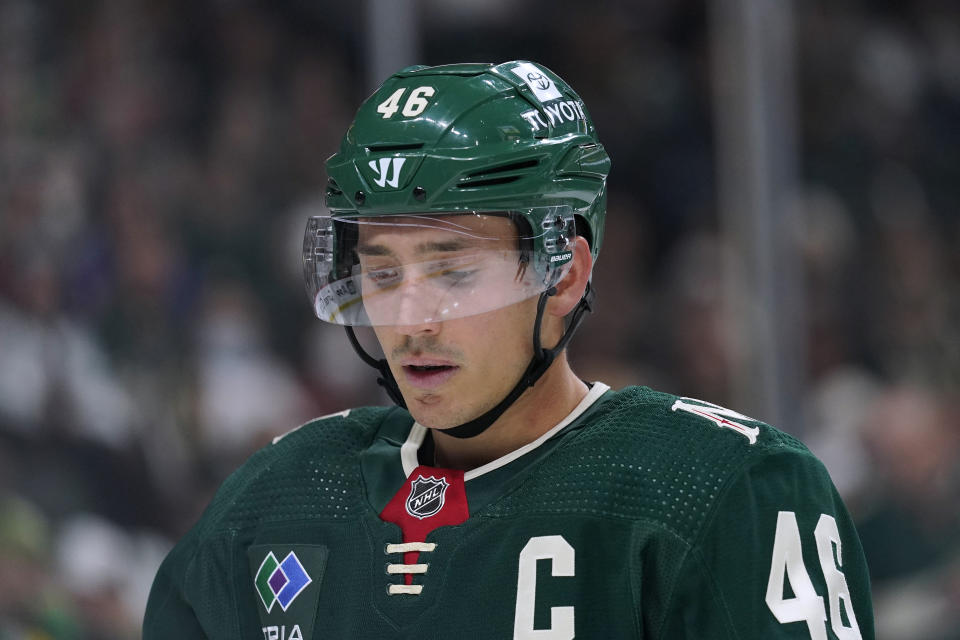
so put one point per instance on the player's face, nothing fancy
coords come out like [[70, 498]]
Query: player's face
[[454, 370]]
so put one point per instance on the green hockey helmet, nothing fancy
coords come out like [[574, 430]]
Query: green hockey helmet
[[449, 152]]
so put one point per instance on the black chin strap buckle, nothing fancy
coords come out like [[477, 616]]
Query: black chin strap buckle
[[586, 302]]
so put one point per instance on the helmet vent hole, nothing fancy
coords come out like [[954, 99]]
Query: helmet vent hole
[[503, 168], [488, 182], [493, 175], [386, 148]]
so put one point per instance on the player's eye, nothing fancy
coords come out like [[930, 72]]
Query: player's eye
[[458, 277], [384, 277], [454, 273]]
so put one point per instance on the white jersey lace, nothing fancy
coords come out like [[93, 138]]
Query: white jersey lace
[[407, 569]]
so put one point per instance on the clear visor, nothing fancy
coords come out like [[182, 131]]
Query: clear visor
[[411, 269]]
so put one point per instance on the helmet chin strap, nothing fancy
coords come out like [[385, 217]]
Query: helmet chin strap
[[386, 379], [542, 359]]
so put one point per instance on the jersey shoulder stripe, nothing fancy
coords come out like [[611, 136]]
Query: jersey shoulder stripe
[[338, 414], [695, 425], [640, 456]]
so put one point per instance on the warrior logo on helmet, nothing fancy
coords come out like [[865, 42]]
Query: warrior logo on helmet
[[426, 496], [387, 171]]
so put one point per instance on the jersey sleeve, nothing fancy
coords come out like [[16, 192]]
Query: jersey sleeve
[[169, 614], [778, 558]]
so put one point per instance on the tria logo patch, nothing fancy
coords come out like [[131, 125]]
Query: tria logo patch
[[387, 171], [280, 582], [426, 496], [287, 578]]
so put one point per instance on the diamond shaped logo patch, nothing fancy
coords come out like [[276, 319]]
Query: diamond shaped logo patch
[[280, 582]]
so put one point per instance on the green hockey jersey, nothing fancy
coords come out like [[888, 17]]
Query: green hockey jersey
[[641, 515]]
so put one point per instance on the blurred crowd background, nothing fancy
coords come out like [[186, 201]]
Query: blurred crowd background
[[158, 159]]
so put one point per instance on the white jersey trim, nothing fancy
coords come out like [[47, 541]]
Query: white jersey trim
[[342, 414], [408, 451]]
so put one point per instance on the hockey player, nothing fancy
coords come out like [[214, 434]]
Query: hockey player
[[503, 497]]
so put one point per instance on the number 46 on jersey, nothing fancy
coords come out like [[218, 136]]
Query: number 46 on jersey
[[806, 605]]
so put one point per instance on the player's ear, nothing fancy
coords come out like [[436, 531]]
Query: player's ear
[[571, 288]]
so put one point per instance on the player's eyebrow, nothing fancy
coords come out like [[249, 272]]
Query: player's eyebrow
[[366, 249], [440, 247]]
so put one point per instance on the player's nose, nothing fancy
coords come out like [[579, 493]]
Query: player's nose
[[414, 313]]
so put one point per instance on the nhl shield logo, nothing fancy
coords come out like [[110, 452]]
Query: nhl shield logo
[[426, 496]]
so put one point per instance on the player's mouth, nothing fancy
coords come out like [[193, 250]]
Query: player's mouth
[[425, 373]]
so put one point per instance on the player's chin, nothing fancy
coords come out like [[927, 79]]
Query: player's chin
[[431, 419], [434, 411]]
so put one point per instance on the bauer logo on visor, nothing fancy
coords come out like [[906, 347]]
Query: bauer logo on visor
[[412, 269]]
